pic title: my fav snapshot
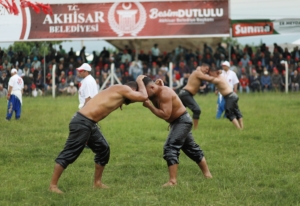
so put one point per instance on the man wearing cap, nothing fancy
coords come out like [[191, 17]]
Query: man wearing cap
[[71, 89], [233, 82], [14, 96], [88, 88]]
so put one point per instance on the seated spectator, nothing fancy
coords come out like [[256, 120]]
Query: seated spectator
[[254, 81], [276, 80], [72, 90], [3, 91], [62, 87], [35, 91], [295, 81], [265, 81], [39, 82], [70, 77], [176, 83], [36, 63], [26, 90], [4, 79], [244, 84], [6, 64]]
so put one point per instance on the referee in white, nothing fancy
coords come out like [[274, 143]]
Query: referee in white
[[88, 86]]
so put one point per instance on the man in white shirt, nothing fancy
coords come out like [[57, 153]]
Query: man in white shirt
[[233, 82], [88, 88], [14, 96]]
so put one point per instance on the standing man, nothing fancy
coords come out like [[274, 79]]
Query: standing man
[[233, 82], [167, 106], [192, 87], [83, 129], [14, 95], [88, 88]]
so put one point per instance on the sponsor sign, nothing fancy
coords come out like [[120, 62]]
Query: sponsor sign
[[118, 20], [242, 28]]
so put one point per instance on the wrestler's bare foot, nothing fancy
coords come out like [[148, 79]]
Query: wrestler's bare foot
[[208, 176], [170, 184], [54, 188], [100, 186]]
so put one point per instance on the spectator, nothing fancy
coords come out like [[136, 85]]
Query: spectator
[[295, 79], [35, 91], [3, 91], [295, 53], [6, 65], [276, 80], [70, 78], [26, 91], [265, 81], [4, 79], [244, 84], [104, 53], [36, 63], [62, 87], [82, 55], [135, 69], [72, 90], [245, 61], [254, 81], [125, 57], [176, 83]]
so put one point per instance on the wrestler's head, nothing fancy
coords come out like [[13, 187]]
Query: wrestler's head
[[134, 86], [204, 68], [214, 72], [150, 86]]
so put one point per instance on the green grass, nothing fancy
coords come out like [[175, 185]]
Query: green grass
[[256, 166]]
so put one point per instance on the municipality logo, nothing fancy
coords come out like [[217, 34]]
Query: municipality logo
[[127, 18]]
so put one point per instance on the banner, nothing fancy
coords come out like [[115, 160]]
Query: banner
[[118, 21], [241, 28]]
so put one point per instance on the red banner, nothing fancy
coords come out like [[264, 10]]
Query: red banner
[[125, 20]]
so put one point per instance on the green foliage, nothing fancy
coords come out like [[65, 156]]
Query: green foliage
[[256, 166], [26, 47]]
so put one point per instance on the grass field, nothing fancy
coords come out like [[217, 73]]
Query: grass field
[[256, 166]]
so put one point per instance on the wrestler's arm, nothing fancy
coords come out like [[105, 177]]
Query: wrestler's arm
[[165, 107], [204, 77], [136, 96]]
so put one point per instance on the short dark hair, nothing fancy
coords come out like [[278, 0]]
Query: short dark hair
[[147, 80], [205, 65], [213, 69], [133, 85]]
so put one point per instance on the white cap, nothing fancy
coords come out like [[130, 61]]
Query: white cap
[[85, 67], [13, 71], [266, 72], [71, 84], [226, 63]]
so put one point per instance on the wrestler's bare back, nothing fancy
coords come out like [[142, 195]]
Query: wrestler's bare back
[[104, 103], [164, 95]]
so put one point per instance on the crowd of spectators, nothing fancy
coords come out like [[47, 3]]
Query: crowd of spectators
[[262, 70]]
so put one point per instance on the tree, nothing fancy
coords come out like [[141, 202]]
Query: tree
[[27, 47]]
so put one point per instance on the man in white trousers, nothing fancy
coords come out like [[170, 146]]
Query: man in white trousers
[[14, 95]]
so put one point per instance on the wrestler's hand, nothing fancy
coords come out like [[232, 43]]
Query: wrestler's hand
[[140, 78], [147, 103], [159, 82], [8, 97]]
